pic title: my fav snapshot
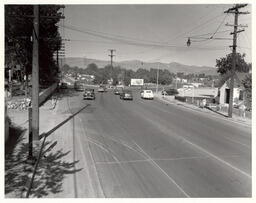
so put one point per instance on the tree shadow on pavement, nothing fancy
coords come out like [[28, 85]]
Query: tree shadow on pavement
[[13, 159], [49, 176]]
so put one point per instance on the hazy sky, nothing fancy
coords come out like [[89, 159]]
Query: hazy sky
[[132, 29]]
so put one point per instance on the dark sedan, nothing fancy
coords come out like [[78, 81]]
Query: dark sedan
[[117, 91], [63, 85], [89, 94], [126, 95]]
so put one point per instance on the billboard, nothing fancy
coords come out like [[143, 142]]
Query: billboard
[[137, 82]]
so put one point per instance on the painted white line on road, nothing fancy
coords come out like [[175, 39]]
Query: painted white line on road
[[169, 177], [98, 185], [122, 162], [83, 156], [232, 140], [166, 159], [205, 151], [100, 145], [217, 158], [121, 142], [245, 145]]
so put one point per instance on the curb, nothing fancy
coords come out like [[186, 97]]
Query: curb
[[199, 110]]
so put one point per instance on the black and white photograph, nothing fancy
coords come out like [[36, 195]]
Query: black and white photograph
[[127, 100]]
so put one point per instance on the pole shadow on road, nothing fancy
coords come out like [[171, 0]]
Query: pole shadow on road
[[217, 112], [49, 176]]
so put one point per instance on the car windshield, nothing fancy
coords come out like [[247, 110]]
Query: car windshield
[[148, 91]]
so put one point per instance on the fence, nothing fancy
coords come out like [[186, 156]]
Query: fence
[[46, 93]]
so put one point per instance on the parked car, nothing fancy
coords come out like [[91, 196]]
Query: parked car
[[89, 94], [170, 92], [126, 95], [78, 86], [117, 91], [147, 94], [63, 85]]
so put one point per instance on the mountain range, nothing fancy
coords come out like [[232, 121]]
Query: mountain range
[[173, 67]]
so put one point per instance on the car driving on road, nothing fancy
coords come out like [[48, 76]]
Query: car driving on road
[[147, 94], [89, 94], [63, 85], [101, 89], [126, 95], [117, 91], [78, 86]]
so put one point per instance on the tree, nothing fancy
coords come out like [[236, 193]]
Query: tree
[[91, 69], [165, 77], [224, 65], [247, 83], [18, 32], [143, 74], [65, 68], [128, 75]]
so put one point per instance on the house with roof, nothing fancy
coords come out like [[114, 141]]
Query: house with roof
[[239, 90]]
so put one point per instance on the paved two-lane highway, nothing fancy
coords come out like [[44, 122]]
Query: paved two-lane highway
[[144, 148]]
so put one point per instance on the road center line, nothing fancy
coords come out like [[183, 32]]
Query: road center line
[[205, 151], [217, 158], [169, 177]]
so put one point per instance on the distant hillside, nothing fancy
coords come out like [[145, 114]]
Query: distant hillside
[[136, 64]]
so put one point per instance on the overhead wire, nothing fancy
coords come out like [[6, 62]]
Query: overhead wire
[[209, 33], [212, 34], [219, 25], [159, 45], [198, 26], [130, 40]]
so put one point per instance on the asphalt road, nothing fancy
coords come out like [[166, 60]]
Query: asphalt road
[[145, 148]]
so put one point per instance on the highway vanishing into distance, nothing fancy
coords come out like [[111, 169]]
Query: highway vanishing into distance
[[146, 148]]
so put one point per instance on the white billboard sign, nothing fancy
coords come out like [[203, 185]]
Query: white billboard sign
[[137, 82]]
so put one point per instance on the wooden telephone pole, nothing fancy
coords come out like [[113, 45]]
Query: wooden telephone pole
[[35, 76], [234, 10], [111, 56]]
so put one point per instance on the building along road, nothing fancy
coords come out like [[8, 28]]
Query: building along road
[[146, 148]]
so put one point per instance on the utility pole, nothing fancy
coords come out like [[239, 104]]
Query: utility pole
[[234, 10], [157, 76], [111, 61], [35, 76], [111, 56]]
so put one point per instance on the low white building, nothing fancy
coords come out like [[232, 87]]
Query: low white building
[[224, 89], [203, 92], [196, 84]]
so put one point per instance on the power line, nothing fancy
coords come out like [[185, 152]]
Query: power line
[[121, 37], [223, 31], [198, 26], [219, 25], [212, 34], [159, 45]]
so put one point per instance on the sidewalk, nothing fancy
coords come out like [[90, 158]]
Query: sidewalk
[[52, 178], [62, 168], [219, 114]]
